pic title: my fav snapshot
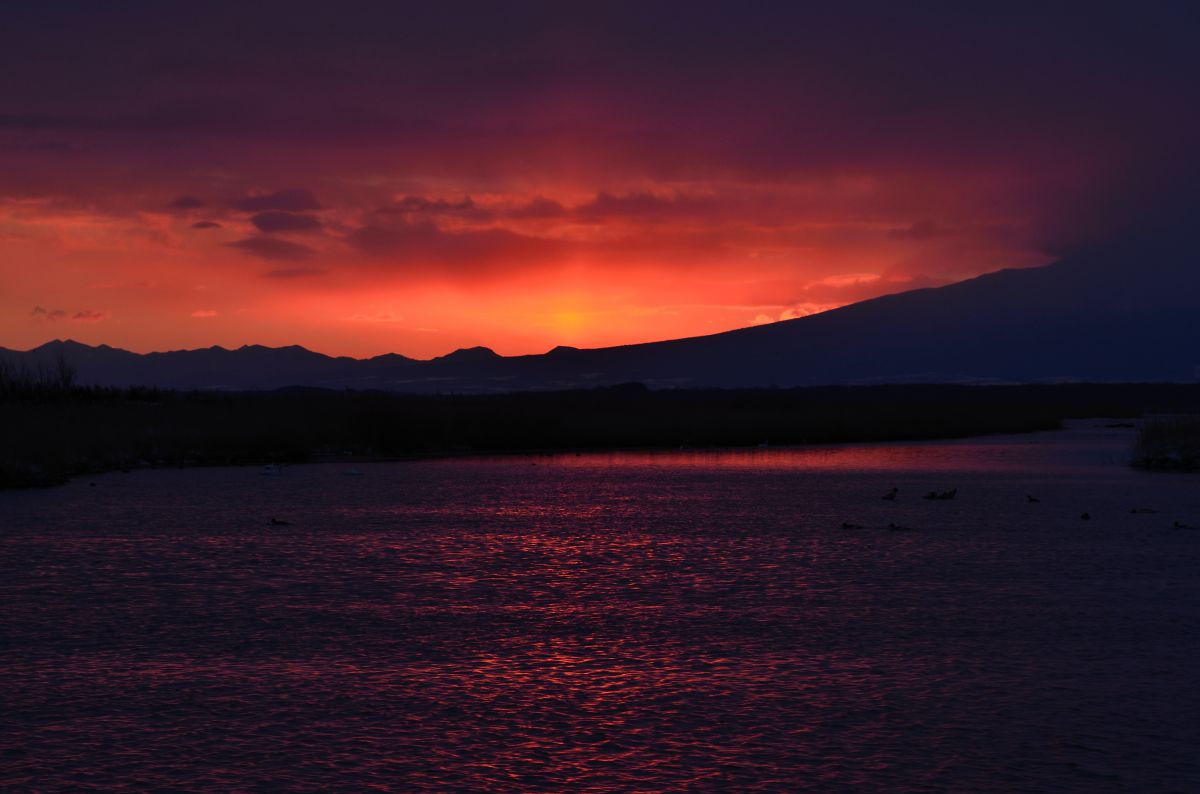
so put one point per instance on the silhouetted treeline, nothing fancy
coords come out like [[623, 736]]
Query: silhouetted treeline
[[51, 433], [19, 381]]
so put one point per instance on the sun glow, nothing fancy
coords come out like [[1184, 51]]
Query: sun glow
[[427, 271], [568, 324]]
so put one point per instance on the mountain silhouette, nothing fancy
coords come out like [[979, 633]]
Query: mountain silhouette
[[1128, 312]]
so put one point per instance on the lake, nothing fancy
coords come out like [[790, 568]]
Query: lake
[[659, 621]]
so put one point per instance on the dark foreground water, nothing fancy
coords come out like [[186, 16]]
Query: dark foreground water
[[657, 622]]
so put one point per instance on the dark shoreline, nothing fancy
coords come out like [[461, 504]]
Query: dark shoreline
[[1168, 442], [54, 433]]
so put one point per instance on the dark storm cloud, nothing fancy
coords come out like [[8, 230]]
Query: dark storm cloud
[[272, 248], [289, 200], [1152, 203], [285, 222]]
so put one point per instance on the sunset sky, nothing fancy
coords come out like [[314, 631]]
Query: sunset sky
[[362, 178]]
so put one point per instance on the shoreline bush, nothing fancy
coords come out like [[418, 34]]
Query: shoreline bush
[[1168, 443]]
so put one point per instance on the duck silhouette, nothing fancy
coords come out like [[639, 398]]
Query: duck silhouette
[[1032, 499], [891, 495], [1085, 516], [279, 522]]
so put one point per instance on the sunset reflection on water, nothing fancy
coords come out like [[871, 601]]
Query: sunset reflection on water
[[627, 621]]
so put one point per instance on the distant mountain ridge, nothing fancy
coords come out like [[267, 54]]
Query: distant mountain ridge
[[1129, 313]]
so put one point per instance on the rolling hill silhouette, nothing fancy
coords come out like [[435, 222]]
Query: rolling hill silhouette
[[1129, 312]]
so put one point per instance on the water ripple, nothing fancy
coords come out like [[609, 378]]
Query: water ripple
[[607, 623]]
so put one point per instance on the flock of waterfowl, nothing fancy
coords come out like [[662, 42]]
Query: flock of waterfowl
[[891, 496], [894, 494]]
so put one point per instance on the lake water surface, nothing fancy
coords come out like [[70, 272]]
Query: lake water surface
[[652, 622]]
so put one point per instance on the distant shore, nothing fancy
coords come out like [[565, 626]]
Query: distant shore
[[58, 431]]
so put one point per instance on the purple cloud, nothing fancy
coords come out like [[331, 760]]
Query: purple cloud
[[645, 206], [81, 316], [272, 249], [49, 315], [918, 230], [186, 203], [288, 200], [292, 272], [277, 221], [537, 208], [424, 243], [423, 204]]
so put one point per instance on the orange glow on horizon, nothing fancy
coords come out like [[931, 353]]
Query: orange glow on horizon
[[424, 274]]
